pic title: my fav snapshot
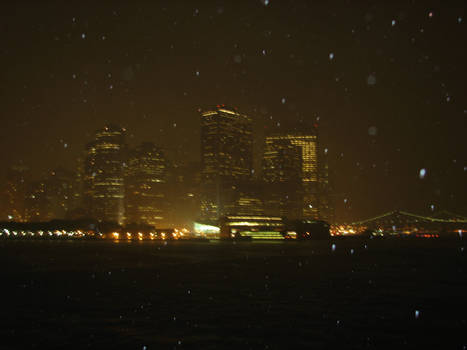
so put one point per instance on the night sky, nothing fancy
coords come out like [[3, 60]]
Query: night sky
[[386, 81]]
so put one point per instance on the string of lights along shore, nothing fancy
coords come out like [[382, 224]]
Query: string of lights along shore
[[115, 183]]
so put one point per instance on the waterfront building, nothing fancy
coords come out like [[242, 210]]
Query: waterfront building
[[146, 201], [226, 160], [296, 175], [104, 175]]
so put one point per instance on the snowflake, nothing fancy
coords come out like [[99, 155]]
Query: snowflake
[[422, 173]]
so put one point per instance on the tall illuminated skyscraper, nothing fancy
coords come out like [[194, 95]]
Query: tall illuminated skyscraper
[[296, 175], [282, 174], [104, 174], [146, 186], [226, 160]]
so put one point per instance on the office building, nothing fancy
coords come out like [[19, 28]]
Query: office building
[[226, 160], [146, 199], [104, 175], [295, 175]]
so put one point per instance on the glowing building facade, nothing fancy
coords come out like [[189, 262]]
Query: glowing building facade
[[146, 199], [295, 176], [226, 160], [104, 175]]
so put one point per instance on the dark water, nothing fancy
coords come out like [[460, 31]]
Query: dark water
[[182, 295]]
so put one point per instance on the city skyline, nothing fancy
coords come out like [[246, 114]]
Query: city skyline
[[292, 135], [138, 185], [376, 78]]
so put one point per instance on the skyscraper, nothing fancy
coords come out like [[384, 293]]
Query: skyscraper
[[146, 199], [226, 159], [104, 180], [295, 174], [282, 175], [326, 203]]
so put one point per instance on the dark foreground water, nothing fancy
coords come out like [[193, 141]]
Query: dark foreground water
[[182, 295]]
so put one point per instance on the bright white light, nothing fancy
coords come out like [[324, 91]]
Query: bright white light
[[422, 173], [201, 228], [331, 56], [393, 23]]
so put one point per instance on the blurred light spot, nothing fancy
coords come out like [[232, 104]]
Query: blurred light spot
[[422, 173], [372, 131]]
